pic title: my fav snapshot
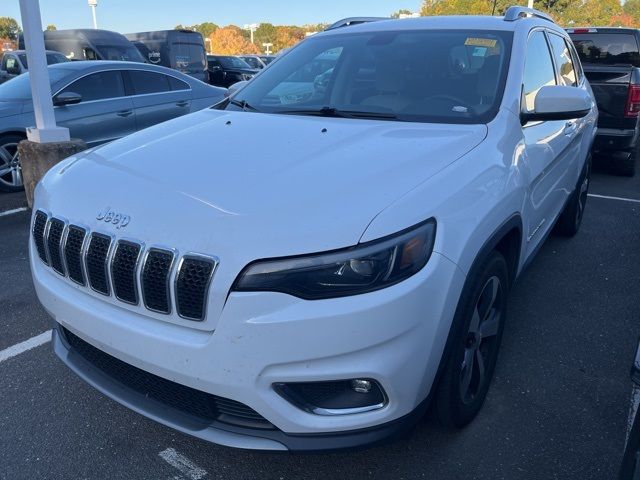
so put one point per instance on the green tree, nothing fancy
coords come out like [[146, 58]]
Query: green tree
[[51, 27], [206, 28], [632, 8], [402, 11], [265, 33], [9, 28], [591, 12]]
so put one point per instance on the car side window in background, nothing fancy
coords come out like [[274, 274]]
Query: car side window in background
[[177, 84], [538, 71], [149, 82], [98, 86], [563, 60], [576, 61]]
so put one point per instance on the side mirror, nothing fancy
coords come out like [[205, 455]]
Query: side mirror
[[235, 88], [558, 102], [66, 98]]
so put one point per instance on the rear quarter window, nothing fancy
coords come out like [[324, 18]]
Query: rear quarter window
[[607, 48]]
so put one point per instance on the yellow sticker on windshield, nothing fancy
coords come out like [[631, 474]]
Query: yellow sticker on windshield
[[481, 42]]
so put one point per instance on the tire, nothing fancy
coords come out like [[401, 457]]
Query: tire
[[479, 323], [10, 170], [571, 217]]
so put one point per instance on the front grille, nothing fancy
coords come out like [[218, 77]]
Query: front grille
[[97, 254], [123, 271], [204, 406], [155, 280], [192, 286], [39, 227], [73, 253], [54, 239], [108, 265]]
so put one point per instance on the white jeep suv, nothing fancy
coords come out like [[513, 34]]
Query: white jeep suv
[[321, 292]]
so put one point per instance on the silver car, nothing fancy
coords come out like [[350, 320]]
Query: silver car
[[98, 101]]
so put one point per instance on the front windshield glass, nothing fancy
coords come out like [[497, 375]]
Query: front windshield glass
[[120, 53], [19, 88], [233, 62], [444, 76]]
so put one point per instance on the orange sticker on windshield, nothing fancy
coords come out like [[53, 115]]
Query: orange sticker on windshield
[[481, 42]]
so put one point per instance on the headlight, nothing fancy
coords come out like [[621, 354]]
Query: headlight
[[361, 269]]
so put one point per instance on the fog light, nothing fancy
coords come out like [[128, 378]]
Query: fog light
[[361, 386], [339, 397]]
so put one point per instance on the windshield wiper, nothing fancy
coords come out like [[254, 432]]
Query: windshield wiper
[[337, 113], [244, 105]]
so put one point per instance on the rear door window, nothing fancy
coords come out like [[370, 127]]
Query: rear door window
[[148, 82], [564, 63], [177, 84], [98, 86], [607, 48]]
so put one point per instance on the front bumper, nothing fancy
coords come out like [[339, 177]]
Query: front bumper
[[395, 336]]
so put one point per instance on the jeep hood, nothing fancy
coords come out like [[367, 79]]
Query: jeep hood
[[252, 184]]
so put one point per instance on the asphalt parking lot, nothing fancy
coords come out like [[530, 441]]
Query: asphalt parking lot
[[556, 410]]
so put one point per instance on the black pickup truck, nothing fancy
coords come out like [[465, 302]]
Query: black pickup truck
[[611, 62]]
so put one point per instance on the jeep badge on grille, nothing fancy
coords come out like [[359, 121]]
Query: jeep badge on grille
[[120, 220]]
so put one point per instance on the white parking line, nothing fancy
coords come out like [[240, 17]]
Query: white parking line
[[186, 467], [620, 199], [25, 346], [14, 211]]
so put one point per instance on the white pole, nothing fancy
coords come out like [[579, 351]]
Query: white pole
[[530, 3], [46, 129], [95, 20]]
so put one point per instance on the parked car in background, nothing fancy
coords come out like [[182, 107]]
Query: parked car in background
[[15, 63], [322, 294], [181, 50], [90, 44], [224, 71], [257, 61], [611, 61], [99, 102]]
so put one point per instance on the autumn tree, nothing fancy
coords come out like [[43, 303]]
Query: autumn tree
[[402, 11], [230, 41], [287, 37], [591, 12], [51, 27], [9, 28]]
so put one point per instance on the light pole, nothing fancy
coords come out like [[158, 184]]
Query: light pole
[[207, 42], [530, 3], [93, 4], [252, 28]]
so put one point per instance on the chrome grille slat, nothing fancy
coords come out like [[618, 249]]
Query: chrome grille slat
[[38, 231], [54, 244], [124, 269], [73, 253], [156, 272], [192, 285], [96, 263]]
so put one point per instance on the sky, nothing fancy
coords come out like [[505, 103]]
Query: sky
[[142, 15]]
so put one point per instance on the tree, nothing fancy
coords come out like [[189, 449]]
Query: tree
[[402, 11], [230, 41], [287, 36], [9, 28], [51, 28], [265, 33], [205, 29], [591, 12]]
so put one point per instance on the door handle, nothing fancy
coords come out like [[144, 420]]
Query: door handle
[[124, 113], [570, 128], [182, 103]]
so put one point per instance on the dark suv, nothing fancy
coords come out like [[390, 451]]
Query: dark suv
[[224, 71]]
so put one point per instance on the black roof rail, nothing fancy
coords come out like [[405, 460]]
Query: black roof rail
[[347, 22], [516, 13]]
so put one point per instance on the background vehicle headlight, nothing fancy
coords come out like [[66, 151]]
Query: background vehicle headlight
[[361, 269]]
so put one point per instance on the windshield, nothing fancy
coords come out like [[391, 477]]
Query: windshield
[[19, 88], [253, 62], [233, 62], [607, 48], [444, 76], [119, 52], [52, 58]]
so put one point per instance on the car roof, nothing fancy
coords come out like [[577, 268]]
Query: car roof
[[91, 65], [445, 22], [602, 30], [20, 52]]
